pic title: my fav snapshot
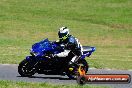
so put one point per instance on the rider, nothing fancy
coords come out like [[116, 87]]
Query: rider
[[70, 43]]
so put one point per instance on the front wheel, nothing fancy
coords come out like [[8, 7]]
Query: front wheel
[[26, 68]]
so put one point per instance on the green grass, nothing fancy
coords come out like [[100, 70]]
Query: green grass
[[105, 24], [10, 84]]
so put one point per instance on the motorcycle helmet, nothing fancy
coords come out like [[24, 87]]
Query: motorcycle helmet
[[63, 33]]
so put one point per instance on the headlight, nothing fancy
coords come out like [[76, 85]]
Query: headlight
[[34, 54]]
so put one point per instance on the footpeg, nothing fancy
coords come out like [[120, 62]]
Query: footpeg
[[70, 69]]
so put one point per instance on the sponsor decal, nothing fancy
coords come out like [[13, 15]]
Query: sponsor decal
[[104, 78]]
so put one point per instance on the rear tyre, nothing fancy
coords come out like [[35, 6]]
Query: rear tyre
[[26, 68], [85, 64], [80, 62], [81, 80]]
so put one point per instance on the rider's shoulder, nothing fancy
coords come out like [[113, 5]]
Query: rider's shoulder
[[72, 39]]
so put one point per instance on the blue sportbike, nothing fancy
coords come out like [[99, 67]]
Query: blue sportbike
[[42, 61]]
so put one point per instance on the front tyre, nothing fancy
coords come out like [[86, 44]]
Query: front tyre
[[26, 68]]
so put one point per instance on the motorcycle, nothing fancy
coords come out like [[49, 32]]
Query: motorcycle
[[42, 61]]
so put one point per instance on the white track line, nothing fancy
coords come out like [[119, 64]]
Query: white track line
[[8, 64]]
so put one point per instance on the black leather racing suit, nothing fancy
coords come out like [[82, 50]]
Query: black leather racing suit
[[72, 44]]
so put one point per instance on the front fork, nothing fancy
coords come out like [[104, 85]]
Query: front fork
[[32, 60]]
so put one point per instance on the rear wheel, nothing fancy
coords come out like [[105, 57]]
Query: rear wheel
[[74, 73], [84, 64], [26, 68], [81, 80]]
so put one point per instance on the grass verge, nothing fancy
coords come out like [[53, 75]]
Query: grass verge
[[11, 84]]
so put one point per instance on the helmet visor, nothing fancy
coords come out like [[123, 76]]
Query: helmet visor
[[61, 35]]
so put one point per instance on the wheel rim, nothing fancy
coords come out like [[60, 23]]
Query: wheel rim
[[27, 68], [74, 76]]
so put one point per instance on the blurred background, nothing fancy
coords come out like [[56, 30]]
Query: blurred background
[[105, 24]]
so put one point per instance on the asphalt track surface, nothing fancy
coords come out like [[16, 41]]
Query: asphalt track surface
[[9, 72]]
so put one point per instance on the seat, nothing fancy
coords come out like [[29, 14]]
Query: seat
[[86, 48]]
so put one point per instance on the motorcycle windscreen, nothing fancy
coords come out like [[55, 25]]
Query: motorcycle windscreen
[[42, 46]]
